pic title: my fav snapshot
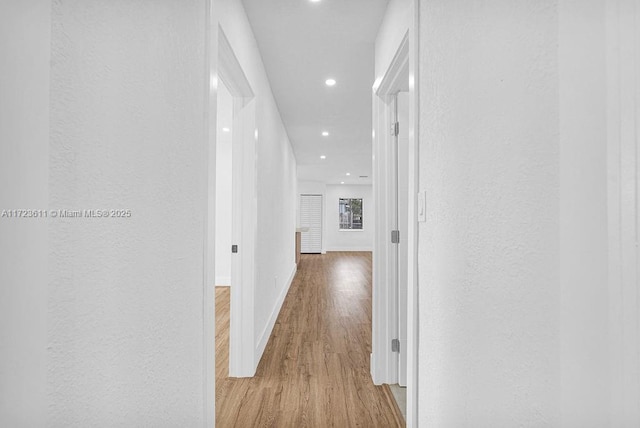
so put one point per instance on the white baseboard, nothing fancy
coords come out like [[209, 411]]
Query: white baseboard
[[223, 281], [372, 369], [266, 333]]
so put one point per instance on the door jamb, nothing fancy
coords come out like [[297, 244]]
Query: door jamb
[[242, 353], [222, 64], [384, 367]]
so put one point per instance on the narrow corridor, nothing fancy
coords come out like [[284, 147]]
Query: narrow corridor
[[315, 369]]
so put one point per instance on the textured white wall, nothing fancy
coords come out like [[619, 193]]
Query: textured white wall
[[224, 194], [599, 51], [583, 214], [336, 240], [25, 43], [528, 260], [623, 169], [392, 29], [276, 174], [125, 313], [488, 253], [122, 344]]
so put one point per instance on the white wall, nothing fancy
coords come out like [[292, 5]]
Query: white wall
[[488, 253], [528, 259], [334, 238], [276, 177], [392, 29], [25, 40], [583, 215], [224, 195], [623, 216], [125, 304], [122, 342], [599, 51]]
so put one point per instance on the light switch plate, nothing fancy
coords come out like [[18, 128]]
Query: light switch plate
[[422, 206]]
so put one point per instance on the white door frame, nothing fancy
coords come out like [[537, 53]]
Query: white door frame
[[242, 353], [209, 209], [223, 65], [384, 363], [402, 105], [384, 367]]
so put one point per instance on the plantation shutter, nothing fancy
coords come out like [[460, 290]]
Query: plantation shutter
[[311, 217]]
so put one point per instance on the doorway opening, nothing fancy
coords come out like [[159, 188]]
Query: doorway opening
[[224, 216], [395, 247], [399, 110], [233, 223]]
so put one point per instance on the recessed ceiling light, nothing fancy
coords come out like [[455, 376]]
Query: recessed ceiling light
[[325, 134], [323, 157], [330, 82], [342, 182], [314, 1], [225, 129], [348, 173]]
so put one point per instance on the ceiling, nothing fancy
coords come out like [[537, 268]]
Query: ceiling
[[304, 43]]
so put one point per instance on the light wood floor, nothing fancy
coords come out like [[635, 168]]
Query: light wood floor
[[315, 369]]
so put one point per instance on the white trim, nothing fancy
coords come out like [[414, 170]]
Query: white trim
[[384, 299], [244, 226], [230, 71], [209, 348], [209, 198], [413, 321], [372, 363], [268, 328], [223, 281], [391, 82], [384, 364]]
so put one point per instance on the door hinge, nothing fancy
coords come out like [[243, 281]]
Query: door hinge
[[395, 345], [395, 236], [234, 248], [395, 129]]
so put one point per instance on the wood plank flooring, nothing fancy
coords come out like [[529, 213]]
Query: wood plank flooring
[[223, 306], [315, 369]]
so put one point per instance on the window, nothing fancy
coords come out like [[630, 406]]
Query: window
[[350, 211]]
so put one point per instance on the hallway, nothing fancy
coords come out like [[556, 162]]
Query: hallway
[[315, 369], [519, 197]]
